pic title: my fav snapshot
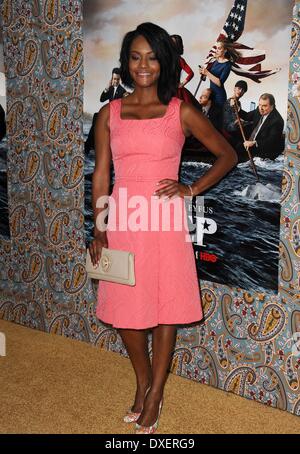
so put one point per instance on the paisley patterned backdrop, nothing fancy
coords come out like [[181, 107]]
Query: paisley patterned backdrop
[[247, 344]]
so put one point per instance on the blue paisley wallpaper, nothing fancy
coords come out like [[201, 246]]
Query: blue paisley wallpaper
[[248, 343]]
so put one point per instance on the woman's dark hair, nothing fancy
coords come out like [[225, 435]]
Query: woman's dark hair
[[243, 85], [163, 47], [177, 40]]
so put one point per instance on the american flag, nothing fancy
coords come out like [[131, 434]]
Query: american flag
[[232, 31], [235, 23]]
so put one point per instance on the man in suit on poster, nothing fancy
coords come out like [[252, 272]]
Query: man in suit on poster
[[115, 89], [231, 129], [210, 109], [266, 137]]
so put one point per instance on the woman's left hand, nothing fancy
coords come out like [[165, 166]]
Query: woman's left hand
[[171, 188]]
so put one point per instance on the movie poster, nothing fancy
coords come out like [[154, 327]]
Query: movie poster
[[238, 221]]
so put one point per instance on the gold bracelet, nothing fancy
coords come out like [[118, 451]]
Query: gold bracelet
[[191, 189]]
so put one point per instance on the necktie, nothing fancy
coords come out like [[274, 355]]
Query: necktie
[[255, 130]]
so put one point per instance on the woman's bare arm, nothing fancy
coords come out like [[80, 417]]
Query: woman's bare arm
[[196, 124], [100, 181], [101, 175]]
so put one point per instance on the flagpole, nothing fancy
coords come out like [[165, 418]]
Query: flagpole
[[244, 138], [198, 86], [202, 78]]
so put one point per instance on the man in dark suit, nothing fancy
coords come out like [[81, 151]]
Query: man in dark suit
[[114, 90], [231, 129], [210, 109], [90, 141], [266, 137], [2, 123]]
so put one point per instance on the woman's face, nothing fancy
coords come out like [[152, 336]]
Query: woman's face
[[220, 50], [144, 67]]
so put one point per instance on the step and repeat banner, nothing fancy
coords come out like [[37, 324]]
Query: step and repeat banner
[[58, 75]]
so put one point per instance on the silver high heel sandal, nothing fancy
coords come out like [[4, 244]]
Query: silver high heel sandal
[[132, 416], [149, 429]]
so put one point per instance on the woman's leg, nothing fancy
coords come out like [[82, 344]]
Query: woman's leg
[[163, 344], [136, 343]]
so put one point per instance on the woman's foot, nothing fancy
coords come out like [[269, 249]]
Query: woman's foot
[[151, 409], [134, 412]]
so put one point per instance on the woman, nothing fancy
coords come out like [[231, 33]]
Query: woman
[[182, 92], [178, 43], [144, 134], [219, 71]]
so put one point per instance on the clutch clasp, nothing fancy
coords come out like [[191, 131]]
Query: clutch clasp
[[105, 263]]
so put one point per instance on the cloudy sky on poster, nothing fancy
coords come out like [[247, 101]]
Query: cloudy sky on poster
[[268, 27]]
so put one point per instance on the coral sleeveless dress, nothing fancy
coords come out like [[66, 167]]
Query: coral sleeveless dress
[[167, 289]]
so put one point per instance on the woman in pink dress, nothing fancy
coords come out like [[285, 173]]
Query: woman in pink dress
[[144, 134]]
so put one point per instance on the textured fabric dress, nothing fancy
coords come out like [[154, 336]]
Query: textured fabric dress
[[167, 289]]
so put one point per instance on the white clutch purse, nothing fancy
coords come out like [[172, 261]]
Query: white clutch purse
[[114, 265]]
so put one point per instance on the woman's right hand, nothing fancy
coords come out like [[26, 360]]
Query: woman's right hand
[[96, 245], [203, 71]]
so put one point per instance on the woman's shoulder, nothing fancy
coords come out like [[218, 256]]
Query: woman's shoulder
[[187, 109], [111, 106], [104, 110]]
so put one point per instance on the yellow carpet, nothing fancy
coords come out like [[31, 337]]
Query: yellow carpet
[[50, 384]]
